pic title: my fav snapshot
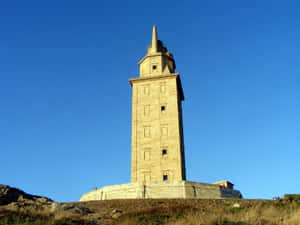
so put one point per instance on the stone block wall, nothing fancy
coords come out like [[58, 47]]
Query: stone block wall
[[157, 142], [166, 189]]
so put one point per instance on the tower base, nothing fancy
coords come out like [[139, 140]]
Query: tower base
[[165, 189]]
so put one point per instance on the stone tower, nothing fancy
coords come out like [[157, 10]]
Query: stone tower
[[157, 147]]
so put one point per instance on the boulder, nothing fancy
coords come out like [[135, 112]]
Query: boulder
[[9, 194]]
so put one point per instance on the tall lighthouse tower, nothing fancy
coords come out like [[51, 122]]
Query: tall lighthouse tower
[[157, 147]]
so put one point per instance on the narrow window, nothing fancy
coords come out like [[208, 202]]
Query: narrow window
[[164, 152], [163, 108], [165, 177]]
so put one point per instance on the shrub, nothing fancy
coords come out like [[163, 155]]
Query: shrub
[[292, 197]]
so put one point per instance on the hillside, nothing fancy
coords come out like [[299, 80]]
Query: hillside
[[40, 210]]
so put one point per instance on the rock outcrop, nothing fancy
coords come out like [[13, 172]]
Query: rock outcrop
[[17, 201], [9, 195]]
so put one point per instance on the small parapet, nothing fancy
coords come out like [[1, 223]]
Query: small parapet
[[225, 183]]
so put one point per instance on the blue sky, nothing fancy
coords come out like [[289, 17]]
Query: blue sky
[[65, 100]]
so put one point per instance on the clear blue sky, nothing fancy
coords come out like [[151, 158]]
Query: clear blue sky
[[65, 100]]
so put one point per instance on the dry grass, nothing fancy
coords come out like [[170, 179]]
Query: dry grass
[[168, 212], [219, 212]]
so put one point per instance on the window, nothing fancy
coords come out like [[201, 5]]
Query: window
[[165, 174], [163, 108], [154, 67], [164, 152]]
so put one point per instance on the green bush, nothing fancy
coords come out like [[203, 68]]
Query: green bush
[[292, 197]]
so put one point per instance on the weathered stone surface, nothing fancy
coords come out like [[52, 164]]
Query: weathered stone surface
[[236, 205], [72, 208], [69, 210], [9, 195], [157, 147], [116, 213], [165, 189], [157, 144]]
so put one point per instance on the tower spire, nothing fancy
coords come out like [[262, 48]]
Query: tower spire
[[154, 40]]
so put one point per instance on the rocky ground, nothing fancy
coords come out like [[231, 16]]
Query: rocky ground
[[18, 207]]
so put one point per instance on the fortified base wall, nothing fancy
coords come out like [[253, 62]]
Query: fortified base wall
[[166, 189]]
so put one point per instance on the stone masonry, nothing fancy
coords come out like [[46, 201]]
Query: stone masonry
[[157, 145], [157, 142]]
